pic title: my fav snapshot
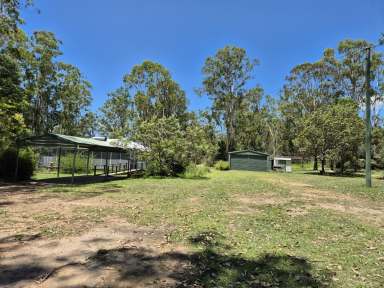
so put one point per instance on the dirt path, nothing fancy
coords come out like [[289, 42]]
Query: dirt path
[[118, 255]]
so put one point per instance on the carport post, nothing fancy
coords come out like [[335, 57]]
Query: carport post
[[87, 162], [106, 165], [58, 163], [73, 165]]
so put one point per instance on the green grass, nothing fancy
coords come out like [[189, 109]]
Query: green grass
[[254, 241], [45, 174]]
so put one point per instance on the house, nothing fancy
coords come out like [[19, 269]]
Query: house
[[249, 160]]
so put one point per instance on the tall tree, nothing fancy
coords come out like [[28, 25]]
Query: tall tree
[[42, 82], [74, 97], [13, 45], [226, 76], [117, 115], [12, 100], [251, 125], [155, 93], [309, 87], [10, 20], [352, 70]]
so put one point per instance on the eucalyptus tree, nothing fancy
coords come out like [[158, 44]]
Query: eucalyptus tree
[[116, 116], [88, 124], [12, 100], [309, 87], [353, 59], [42, 79], [10, 20], [312, 85], [155, 93], [332, 132], [251, 127], [73, 96], [226, 76], [13, 45]]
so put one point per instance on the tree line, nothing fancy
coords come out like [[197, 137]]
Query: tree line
[[317, 115]]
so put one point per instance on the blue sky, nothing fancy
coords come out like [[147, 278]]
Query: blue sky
[[105, 39]]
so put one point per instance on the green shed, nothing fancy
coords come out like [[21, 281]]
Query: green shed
[[249, 160]]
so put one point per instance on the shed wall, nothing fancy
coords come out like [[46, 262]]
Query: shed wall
[[250, 162]]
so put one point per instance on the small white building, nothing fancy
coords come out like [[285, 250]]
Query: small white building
[[282, 164]]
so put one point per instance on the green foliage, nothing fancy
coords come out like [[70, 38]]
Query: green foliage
[[194, 171], [26, 164], [166, 144], [66, 162], [333, 131], [221, 165], [12, 100], [225, 78], [38, 94], [170, 147], [155, 93], [74, 95], [117, 114]]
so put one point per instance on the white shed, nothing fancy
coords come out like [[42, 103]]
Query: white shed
[[282, 164]]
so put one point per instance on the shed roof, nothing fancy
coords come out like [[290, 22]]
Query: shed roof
[[249, 151], [50, 140], [282, 158]]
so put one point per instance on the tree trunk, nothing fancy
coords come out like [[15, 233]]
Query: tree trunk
[[315, 166], [322, 172]]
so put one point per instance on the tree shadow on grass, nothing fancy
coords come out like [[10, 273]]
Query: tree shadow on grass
[[142, 266], [334, 174], [211, 268]]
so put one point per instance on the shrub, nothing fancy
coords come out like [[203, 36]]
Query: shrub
[[195, 171], [66, 162], [221, 165], [26, 164]]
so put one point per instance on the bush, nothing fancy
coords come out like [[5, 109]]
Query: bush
[[66, 162], [26, 164], [195, 171], [221, 165]]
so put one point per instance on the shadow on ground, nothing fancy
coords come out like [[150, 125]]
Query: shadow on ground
[[134, 266], [347, 175], [82, 180]]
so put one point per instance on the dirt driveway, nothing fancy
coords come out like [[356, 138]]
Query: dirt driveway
[[108, 254]]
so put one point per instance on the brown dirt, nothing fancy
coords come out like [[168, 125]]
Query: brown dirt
[[116, 255], [108, 254]]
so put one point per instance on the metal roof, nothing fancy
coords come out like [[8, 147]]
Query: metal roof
[[282, 158], [59, 140], [249, 151]]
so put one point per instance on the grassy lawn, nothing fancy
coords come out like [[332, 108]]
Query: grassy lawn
[[244, 229]]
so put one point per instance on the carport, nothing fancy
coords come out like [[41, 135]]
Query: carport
[[91, 145]]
